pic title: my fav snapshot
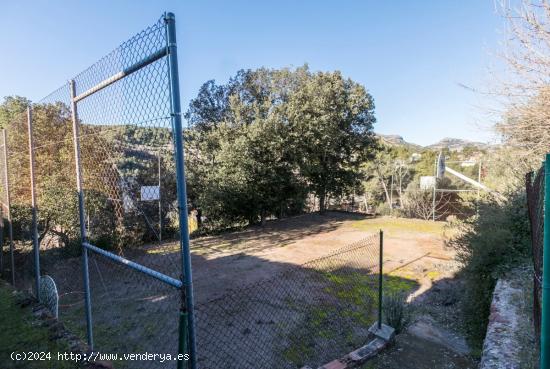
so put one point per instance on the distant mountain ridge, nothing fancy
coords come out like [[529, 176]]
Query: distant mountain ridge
[[453, 144]]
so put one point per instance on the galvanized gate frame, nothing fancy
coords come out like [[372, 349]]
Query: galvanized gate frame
[[187, 343]]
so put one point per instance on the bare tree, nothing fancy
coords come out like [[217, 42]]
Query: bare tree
[[525, 125]]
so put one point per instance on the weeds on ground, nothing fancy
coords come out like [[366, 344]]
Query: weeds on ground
[[21, 332], [356, 296]]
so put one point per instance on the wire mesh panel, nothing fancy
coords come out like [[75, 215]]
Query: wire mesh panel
[[308, 315], [57, 214], [535, 198], [6, 251], [129, 185], [16, 166], [119, 110], [126, 145]]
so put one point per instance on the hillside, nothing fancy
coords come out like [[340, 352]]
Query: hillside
[[456, 144], [453, 144]]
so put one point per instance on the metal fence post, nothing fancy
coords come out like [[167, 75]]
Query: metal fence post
[[8, 204], [380, 278], [36, 246], [81, 212], [545, 319], [187, 288]]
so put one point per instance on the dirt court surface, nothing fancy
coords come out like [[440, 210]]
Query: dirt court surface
[[308, 311], [413, 250]]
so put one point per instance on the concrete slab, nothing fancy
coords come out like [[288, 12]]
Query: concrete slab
[[427, 329], [385, 332]]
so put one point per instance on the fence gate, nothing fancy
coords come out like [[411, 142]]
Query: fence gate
[[93, 195]]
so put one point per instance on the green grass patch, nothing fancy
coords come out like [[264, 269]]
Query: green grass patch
[[21, 332], [350, 306], [391, 225]]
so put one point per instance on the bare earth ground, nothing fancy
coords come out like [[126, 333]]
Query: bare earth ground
[[412, 249], [129, 306]]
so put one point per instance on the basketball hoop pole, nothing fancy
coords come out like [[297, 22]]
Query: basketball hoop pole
[[435, 188]]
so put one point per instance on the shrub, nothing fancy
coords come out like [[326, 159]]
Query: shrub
[[488, 245], [396, 312]]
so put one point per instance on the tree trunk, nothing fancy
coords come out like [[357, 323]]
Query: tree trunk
[[385, 187], [322, 205], [263, 218], [198, 216]]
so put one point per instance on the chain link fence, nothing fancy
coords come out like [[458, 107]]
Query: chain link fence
[[105, 215], [306, 315], [535, 187]]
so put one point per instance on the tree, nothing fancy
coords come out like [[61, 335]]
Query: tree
[[257, 145], [239, 150], [331, 121], [11, 107]]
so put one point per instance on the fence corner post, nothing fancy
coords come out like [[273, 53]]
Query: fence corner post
[[187, 304], [545, 319]]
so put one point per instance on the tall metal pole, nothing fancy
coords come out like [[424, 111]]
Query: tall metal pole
[[380, 277], [81, 212], [8, 204], [435, 189], [187, 289], [478, 178], [545, 319], [36, 246]]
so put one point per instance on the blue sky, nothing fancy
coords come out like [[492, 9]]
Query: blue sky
[[412, 56]]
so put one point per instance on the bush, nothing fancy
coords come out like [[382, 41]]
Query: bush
[[397, 313], [488, 245]]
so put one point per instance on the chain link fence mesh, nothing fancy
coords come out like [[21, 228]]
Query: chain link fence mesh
[[307, 315], [130, 193], [535, 200]]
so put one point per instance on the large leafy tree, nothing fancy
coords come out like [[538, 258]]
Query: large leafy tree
[[257, 145], [331, 121]]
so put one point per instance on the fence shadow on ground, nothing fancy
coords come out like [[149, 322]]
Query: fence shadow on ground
[[288, 317], [272, 314]]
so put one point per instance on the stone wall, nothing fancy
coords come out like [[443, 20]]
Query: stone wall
[[509, 342]]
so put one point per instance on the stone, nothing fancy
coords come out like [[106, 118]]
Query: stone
[[369, 350]]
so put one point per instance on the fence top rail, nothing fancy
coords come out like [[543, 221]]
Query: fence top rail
[[123, 73], [130, 53]]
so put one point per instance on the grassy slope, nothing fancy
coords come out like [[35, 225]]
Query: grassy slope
[[20, 332]]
